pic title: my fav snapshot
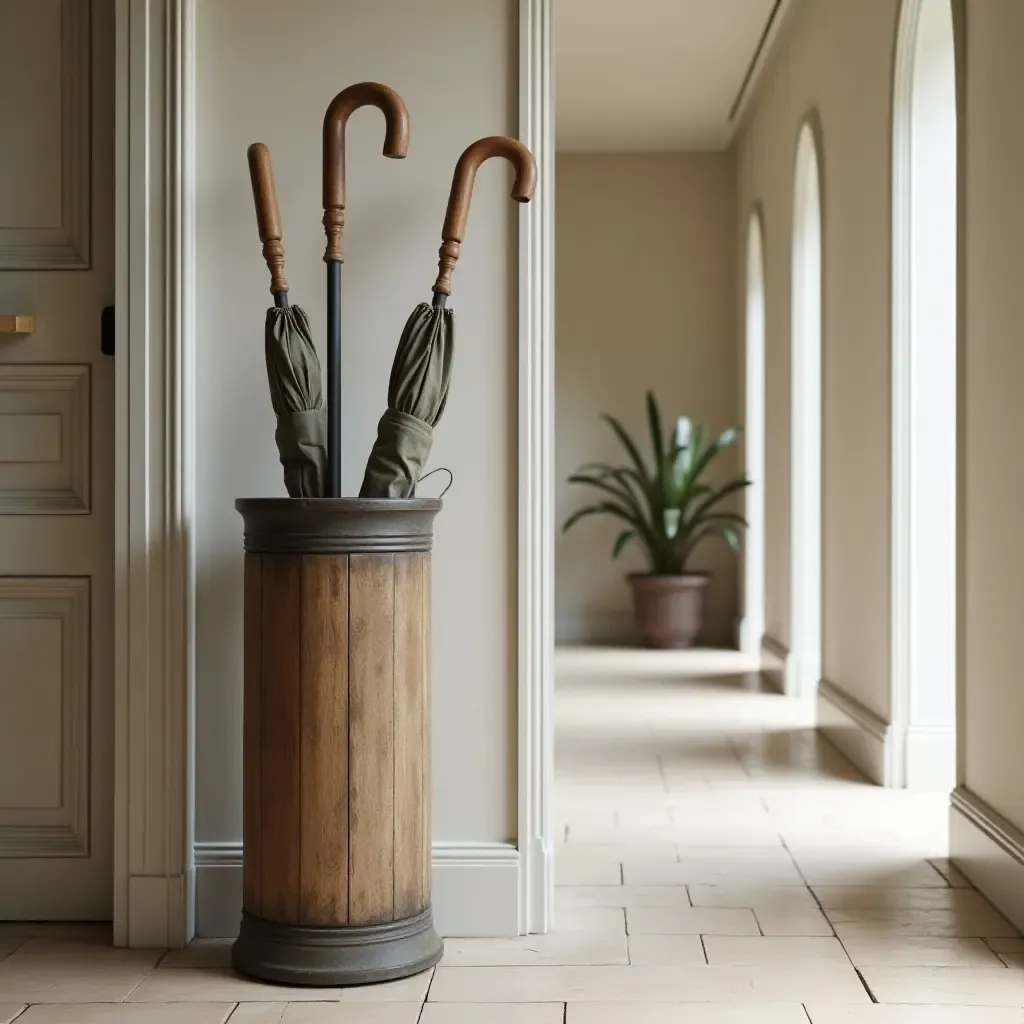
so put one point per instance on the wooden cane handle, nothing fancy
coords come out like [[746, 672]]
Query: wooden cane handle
[[268, 220], [461, 196], [396, 145]]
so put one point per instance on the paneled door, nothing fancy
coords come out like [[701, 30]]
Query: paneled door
[[56, 460]]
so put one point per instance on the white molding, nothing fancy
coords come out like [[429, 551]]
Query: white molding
[[154, 608], [754, 438], [920, 748], [66, 246], [761, 64], [475, 889], [536, 474], [776, 664], [864, 737], [989, 850], [62, 830], [805, 419], [929, 757], [49, 381], [154, 405]]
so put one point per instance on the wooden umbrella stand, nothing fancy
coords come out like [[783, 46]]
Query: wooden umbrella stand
[[336, 861]]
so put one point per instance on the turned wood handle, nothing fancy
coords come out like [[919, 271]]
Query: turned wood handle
[[396, 145], [268, 220], [461, 196]]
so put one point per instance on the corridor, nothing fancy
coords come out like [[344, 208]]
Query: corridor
[[718, 864]]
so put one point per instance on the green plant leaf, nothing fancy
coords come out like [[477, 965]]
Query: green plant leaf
[[716, 496], [627, 443], [731, 538], [621, 541], [622, 491], [654, 422]]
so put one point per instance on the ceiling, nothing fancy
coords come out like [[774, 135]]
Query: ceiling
[[643, 75]]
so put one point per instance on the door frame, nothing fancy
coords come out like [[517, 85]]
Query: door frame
[[154, 622]]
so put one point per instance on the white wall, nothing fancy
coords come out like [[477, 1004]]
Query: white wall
[[646, 298], [834, 58], [266, 72], [991, 587]]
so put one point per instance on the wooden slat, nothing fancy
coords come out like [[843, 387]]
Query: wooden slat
[[324, 742], [425, 725], [411, 832], [371, 739], [281, 715], [252, 886]]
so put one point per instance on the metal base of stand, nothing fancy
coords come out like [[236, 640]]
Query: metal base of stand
[[365, 955]]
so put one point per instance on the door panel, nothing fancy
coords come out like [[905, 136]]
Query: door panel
[[56, 461]]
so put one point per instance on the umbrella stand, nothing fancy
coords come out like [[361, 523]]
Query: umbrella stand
[[421, 372], [396, 145]]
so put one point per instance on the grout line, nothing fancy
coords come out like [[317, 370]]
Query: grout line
[[135, 987], [867, 987], [430, 985]]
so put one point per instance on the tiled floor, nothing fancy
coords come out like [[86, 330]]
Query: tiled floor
[[717, 865]]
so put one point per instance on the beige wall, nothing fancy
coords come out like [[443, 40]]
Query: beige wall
[[992, 368], [266, 72], [835, 59], [646, 275]]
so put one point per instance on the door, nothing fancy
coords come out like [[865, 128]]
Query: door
[[56, 460]]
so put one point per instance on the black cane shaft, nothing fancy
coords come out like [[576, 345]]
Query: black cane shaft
[[281, 300], [440, 300], [333, 380]]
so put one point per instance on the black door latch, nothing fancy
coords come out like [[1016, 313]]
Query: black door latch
[[107, 331]]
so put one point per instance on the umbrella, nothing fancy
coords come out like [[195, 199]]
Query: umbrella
[[422, 368], [293, 369], [396, 145]]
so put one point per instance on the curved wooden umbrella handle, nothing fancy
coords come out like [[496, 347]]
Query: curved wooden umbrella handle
[[396, 145], [461, 196], [268, 220]]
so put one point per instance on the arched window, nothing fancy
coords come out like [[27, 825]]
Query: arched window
[[805, 420], [754, 433], [924, 310]]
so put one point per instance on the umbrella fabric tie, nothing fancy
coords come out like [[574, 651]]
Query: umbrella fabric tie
[[302, 443], [402, 448]]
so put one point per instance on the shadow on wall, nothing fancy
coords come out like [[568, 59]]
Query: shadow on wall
[[646, 298]]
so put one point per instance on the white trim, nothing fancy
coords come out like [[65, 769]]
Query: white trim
[[754, 351], [805, 414], [67, 245], [153, 620], [475, 889], [989, 850], [781, 20], [536, 474], [864, 737], [154, 604], [777, 664], [920, 747]]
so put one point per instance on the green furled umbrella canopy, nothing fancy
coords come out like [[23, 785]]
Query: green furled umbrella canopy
[[417, 393], [293, 370], [421, 372]]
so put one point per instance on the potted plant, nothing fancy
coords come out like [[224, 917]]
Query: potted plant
[[670, 509]]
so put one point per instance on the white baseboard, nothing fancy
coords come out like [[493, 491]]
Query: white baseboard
[[930, 752], [475, 889], [864, 737], [989, 851], [776, 663], [161, 910]]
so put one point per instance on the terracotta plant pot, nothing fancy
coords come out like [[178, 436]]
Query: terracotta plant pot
[[669, 610]]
